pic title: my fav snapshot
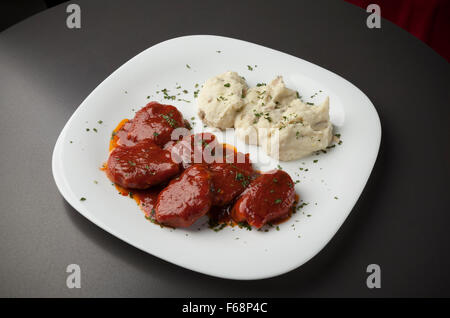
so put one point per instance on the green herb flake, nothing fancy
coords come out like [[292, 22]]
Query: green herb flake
[[250, 68], [227, 85], [172, 122], [245, 225], [82, 199]]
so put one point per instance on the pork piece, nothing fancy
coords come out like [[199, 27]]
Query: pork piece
[[193, 149], [140, 166], [186, 198], [268, 198], [230, 178], [155, 122]]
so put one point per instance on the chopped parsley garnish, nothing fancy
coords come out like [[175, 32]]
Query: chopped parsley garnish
[[166, 94], [245, 225], [315, 161], [188, 66], [250, 68], [310, 103], [242, 178], [261, 84], [172, 122], [155, 134], [94, 129], [82, 199], [278, 201], [227, 85], [100, 122], [131, 163]]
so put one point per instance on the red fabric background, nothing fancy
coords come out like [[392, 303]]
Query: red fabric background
[[429, 20]]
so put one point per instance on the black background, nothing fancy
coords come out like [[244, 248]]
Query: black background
[[400, 222]]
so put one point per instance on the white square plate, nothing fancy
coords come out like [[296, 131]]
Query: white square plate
[[330, 186]]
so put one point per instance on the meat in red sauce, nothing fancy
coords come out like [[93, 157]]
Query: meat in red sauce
[[140, 166], [155, 122], [217, 180], [193, 149], [269, 197], [230, 179], [186, 198]]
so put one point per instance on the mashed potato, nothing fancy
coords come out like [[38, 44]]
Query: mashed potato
[[271, 116], [220, 99]]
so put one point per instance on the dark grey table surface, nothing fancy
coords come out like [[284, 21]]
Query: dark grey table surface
[[401, 221]]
